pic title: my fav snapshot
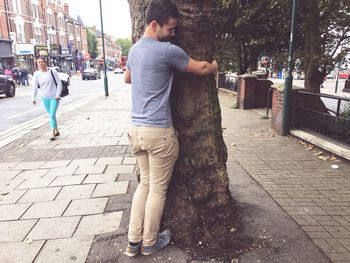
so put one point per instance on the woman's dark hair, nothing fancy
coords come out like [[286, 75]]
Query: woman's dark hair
[[161, 11], [43, 58]]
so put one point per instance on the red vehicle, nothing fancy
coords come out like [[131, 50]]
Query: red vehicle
[[122, 62]]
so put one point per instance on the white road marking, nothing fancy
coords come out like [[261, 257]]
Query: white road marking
[[23, 113]]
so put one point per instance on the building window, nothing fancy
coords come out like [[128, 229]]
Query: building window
[[35, 10], [17, 6], [20, 33]]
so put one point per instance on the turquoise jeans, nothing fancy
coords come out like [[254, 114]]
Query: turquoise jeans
[[51, 105]]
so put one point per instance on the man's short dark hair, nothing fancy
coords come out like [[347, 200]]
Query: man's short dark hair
[[161, 11]]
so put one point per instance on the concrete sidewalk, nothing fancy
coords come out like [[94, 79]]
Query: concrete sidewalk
[[69, 200]]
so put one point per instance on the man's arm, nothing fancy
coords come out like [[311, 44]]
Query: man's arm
[[202, 68], [127, 76]]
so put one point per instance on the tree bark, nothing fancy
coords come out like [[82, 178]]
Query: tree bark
[[199, 205], [313, 76]]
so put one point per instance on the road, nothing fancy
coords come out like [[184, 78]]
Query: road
[[328, 88], [19, 109]]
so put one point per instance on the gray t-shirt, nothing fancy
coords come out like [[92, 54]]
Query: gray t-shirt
[[152, 64]]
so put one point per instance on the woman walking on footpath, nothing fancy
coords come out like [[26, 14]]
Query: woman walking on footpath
[[50, 86]]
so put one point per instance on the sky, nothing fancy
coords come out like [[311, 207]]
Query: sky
[[116, 15]]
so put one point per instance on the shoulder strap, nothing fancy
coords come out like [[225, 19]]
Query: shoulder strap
[[53, 78]]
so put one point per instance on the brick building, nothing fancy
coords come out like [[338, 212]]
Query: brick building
[[33, 28]]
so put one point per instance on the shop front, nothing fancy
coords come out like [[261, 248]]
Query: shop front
[[41, 51], [6, 55], [55, 55], [25, 57], [66, 60]]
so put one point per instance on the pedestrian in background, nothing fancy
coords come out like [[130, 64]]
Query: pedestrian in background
[[150, 68], [47, 80], [24, 76]]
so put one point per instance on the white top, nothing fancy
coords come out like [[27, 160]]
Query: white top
[[47, 85]]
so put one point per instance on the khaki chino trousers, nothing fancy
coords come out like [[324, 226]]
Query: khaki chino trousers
[[156, 151]]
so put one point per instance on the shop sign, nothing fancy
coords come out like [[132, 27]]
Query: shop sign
[[24, 49], [41, 51], [65, 52], [54, 50]]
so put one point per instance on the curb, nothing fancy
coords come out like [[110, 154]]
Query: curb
[[12, 134]]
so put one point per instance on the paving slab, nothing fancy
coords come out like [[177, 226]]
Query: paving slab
[[129, 160], [99, 178], [7, 166], [53, 228], [46, 209], [8, 175], [55, 164], [99, 224], [86, 207], [13, 231], [83, 162], [28, 166], [109, 160], [20, 252], [11, 197], [76, 192], [91, 169], [68, 180], [35, 183], [40, 195], [121, 168], [65, 250], [12, 212], [32, 174], [62, 171], [109, 189]]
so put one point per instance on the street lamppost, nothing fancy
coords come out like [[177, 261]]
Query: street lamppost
[[105, 80], [289, 79]]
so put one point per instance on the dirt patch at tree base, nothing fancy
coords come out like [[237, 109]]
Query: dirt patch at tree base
[[224, 240]]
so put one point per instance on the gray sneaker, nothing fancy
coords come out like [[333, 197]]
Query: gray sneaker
[[163, 241], [132, 251]]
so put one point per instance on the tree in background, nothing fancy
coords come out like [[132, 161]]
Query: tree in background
[[92, 43], [125, 45], [327, 33], [247, 30]]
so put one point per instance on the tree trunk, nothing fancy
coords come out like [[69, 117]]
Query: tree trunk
[[313, 76], [199, 204]]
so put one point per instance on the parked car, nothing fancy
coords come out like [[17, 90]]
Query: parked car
[[7, 85], [91, 73], [118, 71], [64, 77]]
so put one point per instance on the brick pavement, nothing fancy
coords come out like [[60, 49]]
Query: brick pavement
[[316, 196], [54, 196]]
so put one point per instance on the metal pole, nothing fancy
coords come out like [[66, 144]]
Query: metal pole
[[289, 79], [104, 55], [337, 79]]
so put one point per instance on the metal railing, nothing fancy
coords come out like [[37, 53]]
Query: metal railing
[[334, 123], [227, 80]]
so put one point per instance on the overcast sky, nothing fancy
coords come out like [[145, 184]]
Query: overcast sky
[[116, 15]]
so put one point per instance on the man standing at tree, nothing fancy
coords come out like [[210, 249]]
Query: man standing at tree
[[150, 67]]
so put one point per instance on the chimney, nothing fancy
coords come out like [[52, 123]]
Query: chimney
[[66, 9]]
